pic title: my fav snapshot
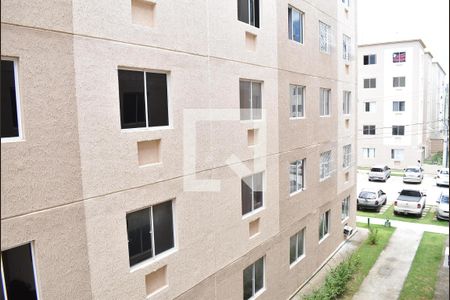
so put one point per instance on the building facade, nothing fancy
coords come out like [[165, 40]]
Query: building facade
[[197, 150], [400, 90]]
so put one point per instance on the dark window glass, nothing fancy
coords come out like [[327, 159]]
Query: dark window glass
[[366, 83], [157, 108], [369, 129], [139, 236], [245, 101], [2, 291], [132, 100], [398, 57], [19, 274], [290, 23], [163, 223], [292, 249], [9, 117], [140, 231], [135, 88], [253, 278], [252, 192], [248, 12], [248, 282], [373, 59], [259, 274], [366, 59], [257, 190], [246, 194], [398, 130], [243, 13], [367, 106], [256, 100], [373, 83]]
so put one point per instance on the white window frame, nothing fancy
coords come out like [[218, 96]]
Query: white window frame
[[345, 208], [325, 102], [347, 149], [324, 227], [263, 184], [372, 106], [251, 99], [369, 130], [346, 3], [370, 85], [398, 154], [346, 44], [33, 263], [398, 62], [20, 137], [346, 105], [263, 288], [397, 80], [396, 106], [169, 107], [142, 264], [367, 152], [299, 98], [298, 257], [325, 165], [398, 127], [302, 31], [370, 61], [296, 164], [324, 37]]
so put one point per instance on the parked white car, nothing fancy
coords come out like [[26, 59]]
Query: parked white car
[[442, 177], [442, 209], [413, 175], [379, 172], [410, 202], [371, 199]]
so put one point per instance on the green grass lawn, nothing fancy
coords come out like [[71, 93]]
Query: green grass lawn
[[368, 254], [430, 218], [422, 276]]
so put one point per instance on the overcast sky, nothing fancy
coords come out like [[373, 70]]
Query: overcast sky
[[390, 20]]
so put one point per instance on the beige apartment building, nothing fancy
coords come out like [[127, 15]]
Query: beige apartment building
[[401, 98], [174, 150]]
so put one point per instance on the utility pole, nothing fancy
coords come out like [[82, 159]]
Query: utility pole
[[445, 120]]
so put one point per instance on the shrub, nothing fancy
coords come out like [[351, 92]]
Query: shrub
[[373, 236], [337, 280]]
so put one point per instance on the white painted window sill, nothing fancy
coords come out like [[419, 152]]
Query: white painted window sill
[[299, 259]]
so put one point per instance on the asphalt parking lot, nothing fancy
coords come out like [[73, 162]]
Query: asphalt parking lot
[[395, 184]]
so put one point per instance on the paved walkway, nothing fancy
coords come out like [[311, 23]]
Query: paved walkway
[[392, 266], [385, 279], [401, 224]]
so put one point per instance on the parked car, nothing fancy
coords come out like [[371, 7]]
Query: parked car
[[413, 175], [371, 199], [410, 202], [442, 177], [442, 209], [379, 172]]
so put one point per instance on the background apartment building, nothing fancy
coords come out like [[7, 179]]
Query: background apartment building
[[401, 92], [188, 150]]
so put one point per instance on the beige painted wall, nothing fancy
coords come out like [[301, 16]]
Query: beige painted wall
[[73, 141]]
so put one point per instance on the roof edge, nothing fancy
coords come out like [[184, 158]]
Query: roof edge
[[395, 42], [440, 67]]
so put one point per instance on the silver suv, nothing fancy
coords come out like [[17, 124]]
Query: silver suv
[[379, 172]]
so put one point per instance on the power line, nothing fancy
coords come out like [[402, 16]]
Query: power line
[[374, 137], [406, 125]]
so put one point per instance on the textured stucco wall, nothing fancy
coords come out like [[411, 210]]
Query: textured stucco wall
[[74, 149]]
